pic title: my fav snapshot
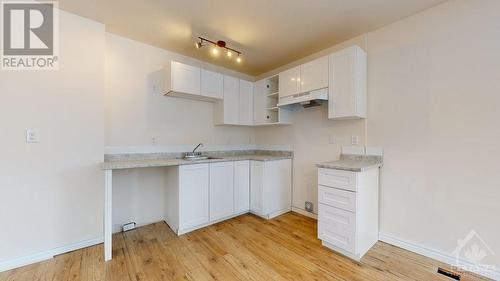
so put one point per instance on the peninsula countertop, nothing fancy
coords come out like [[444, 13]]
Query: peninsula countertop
[[353, 163], [145, 162]]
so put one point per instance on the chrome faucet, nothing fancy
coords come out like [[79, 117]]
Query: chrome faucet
[[194, 154], [200, 144]]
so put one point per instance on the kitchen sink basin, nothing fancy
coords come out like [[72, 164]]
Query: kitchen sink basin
[[196, 158]]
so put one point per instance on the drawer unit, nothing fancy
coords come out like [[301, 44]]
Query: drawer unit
[[342, 199], [348, 210], [337, 178], [337, 227]]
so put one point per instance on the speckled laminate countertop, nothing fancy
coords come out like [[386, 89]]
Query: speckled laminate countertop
[[353, 163], [146, 161]]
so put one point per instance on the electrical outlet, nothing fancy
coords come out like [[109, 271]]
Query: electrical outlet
[[31, 136], [309, 206], [354, 140], [332, 139], [153, 140]]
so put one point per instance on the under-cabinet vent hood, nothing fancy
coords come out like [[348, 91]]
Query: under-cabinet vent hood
[[308, 99]]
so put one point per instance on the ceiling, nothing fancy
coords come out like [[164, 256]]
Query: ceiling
[[270, 33]]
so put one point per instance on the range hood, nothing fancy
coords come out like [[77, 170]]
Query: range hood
[[308, 99]]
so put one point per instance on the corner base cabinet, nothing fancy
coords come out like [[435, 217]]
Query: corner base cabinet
[[348, 210], [270, 187]]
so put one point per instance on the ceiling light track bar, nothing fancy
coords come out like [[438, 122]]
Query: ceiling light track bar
[[220, 44]]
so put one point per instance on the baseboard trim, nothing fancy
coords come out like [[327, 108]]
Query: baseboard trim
[[46, 255], [429, 252], [304, 213]]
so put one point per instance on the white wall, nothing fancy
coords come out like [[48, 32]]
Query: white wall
[[52, 191], [136, 115], [434, 83], [433, 103]]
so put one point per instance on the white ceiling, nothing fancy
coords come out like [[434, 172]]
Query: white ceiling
[[270, 33]]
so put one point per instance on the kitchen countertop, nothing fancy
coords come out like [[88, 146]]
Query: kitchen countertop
[[353, 163], [136, 162]]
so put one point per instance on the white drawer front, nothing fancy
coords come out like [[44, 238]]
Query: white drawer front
[[337, 227], [337, 178], [339, 198]]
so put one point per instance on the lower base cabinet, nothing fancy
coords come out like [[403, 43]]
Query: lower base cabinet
[[241, 186], [348, 210], [221, 190], [202, 194], [270, 187], [187, 192]]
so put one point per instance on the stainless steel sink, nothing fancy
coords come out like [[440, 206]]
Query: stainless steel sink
[[199, 157], [195, 156]]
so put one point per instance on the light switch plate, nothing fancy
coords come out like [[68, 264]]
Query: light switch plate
[[31, 136]]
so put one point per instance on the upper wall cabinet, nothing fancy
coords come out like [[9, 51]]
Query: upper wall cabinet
[[226, 111], [246, 103], [314, 75], [347, 84], [212, 84], [304, 78], [187, 81], [182, 79], [289, 82], [265, 109]]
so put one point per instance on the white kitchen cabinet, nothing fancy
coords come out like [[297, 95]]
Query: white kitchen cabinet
[[256, 186], [181, 80], [212, 84], [226, 111], [347, 84], [289, 82], [221, 190], [241, 186], [314, 75], [246, 103], [266, 110], [270, 187], [348, 210], [198, 195], [259, 102], [187, 197]]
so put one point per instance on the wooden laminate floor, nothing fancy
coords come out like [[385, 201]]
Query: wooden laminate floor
[[243, 248]]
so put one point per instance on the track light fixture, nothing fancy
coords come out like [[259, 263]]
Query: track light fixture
[[218, 45]]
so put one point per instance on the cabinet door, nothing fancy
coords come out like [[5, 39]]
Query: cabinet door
[[193, 195], [259, 102], [231, 100], [256, 185], [246, 103], [289, 82], [212, 84], [277, 187], [241, 186], [347, 84], [314, 75], [185, 78], [221, 190]]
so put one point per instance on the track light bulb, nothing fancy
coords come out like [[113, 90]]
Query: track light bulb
[[215, 51], [229, 53], [238, 59], [198, 45]]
